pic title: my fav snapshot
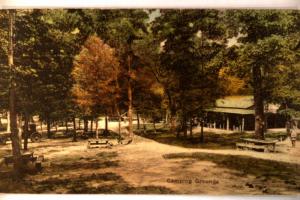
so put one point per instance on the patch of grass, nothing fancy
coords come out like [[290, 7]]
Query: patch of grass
[[107, 155], [263, 169], [211, 140], [127, 189], [275, 135], [109, 183], [73, 185], [150, 127], [84, 165]]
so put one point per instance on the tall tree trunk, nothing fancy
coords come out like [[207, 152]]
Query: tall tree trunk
[[119, 119], [97, 131], [26, 131], [67, 128], [106, 126], [167, 117], [173, 120], [48, 127], [184, 126], [129, 88], [15, 136], [19, 126], [74, 130], [85, 125], [144, 125], [258, 102], [172, 113], [119, 127], [117, 106], [92, 121], [138, 120], [191, 128], [202, 132]]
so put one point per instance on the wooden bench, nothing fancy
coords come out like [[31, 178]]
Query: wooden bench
[[26, 157], [249, 146], [97, 143], [256, 144]]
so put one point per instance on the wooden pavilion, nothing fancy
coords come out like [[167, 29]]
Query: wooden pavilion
[[237, 113]]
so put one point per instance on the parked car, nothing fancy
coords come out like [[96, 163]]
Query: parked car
[[33, 135], [4, 136]]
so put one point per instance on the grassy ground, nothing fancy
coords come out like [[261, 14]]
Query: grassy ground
[[82, 173], [148, 166], [264, 171], [212, 140]]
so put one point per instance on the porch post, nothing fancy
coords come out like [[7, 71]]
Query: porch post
[[227, 123], [243, 124]]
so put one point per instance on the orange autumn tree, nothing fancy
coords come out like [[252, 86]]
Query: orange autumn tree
[[96, 71], [231, 84]]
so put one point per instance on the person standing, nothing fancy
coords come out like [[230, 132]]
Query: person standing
[[293, 137]]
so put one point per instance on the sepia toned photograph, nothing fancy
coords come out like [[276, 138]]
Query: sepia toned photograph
[[150, 101]]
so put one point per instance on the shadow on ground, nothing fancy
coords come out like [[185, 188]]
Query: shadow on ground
[[263, 170], [107, 183], [95, 183], [211, 140], [82, 175]]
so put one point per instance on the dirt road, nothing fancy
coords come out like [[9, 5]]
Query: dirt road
[[146, 166]]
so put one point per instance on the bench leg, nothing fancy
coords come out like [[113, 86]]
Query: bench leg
[[38, 166]]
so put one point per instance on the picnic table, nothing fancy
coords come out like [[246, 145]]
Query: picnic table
[[96, 143], [26, 157], [257, 144]]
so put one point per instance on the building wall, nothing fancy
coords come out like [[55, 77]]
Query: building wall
[[230, 121]]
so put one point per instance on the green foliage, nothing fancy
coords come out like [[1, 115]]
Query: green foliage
[[191, 54], [45, 44], [270, 41]]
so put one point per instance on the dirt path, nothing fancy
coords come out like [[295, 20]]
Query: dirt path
[[146, 166]]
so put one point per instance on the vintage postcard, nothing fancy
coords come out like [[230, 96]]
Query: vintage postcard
[[150, 101]]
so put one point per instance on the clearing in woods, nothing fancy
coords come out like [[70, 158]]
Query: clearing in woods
[[147, 166]]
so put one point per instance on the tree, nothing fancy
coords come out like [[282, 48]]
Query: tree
[[58, 35], [15, 137], [264, 45], [4, 69], [230, 83], [95, 72], [120, 29], [192, 47], [46, 42], [148, 96]]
